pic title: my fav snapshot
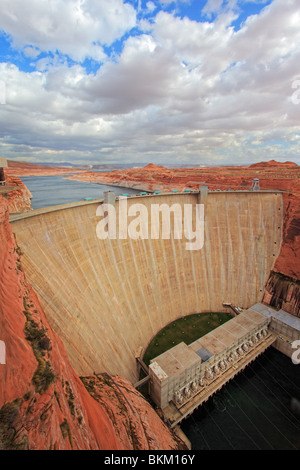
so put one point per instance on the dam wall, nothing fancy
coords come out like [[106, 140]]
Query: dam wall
[[107, 298]]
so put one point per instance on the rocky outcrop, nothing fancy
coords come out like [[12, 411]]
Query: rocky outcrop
[[283, 292], [273, 163], [287, 262], [43, 403], [18, 195], [132, 417]]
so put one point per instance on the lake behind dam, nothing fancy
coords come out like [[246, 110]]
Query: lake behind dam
[[50, 191]]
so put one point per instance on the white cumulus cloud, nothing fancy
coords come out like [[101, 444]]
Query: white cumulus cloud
[[180, 90], [73, 27]]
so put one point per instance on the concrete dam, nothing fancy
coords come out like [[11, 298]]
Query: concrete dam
[[106, 298]]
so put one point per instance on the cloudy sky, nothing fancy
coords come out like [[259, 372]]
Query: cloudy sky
[[162, 81]]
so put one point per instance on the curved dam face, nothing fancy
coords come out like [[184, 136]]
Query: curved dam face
[[106, 298]]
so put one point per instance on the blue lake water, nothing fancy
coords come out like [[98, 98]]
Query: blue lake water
[[54, 190]]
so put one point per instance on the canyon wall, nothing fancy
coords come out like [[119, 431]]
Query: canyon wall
[[283, 292], [107, 298], [18, 195]]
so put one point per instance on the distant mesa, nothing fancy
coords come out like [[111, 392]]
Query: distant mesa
[[152, 167], [18, 168], [273, 163], [25, 165]]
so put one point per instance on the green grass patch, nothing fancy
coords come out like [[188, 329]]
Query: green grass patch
[[186, 329]]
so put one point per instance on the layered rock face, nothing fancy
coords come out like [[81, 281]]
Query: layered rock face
[[283, 292], [282, 289], [43, 403], [16, 168], [18, 196]]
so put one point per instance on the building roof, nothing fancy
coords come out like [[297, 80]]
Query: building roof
[[282, 315], [177, 359]]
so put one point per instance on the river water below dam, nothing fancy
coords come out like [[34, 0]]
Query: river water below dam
[[258, 410]]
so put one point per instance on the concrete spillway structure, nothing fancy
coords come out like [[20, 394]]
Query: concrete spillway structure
[[107, 298]]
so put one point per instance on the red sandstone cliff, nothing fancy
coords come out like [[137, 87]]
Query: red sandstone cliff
[[16, 168], [273, 163], [43, 403], [17, 195]]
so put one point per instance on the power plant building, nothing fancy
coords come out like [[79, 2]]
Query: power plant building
[[183, 371]]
